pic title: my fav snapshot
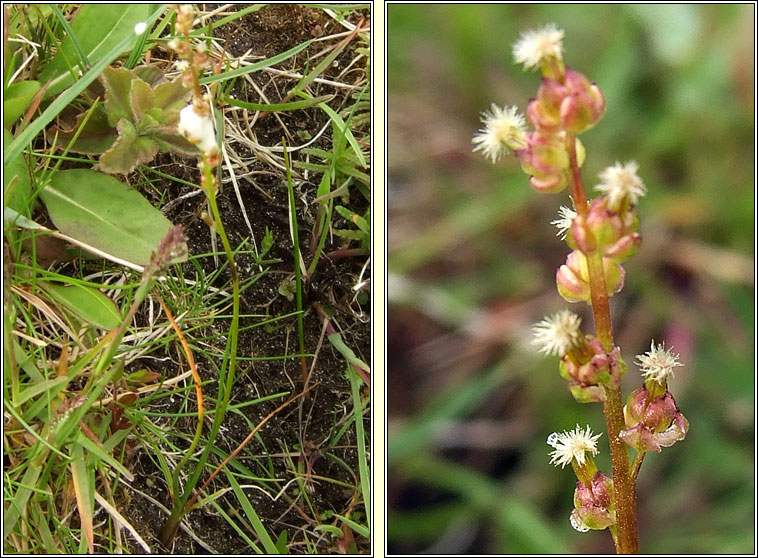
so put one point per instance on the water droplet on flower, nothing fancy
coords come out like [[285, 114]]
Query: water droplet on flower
[[577, 524]]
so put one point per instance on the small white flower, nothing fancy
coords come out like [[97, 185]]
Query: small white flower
[[182, 65], [140, 28], [198, 129], [621, 181], [173, 44], [536, 46], [558, 333], [658, 363], [504, 128], [572, 445], [564, 221]]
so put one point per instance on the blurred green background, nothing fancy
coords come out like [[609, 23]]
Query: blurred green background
[[472, 260]]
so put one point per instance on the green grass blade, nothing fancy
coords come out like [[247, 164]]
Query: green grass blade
[[258, 65], [294, 105], [255, 521]]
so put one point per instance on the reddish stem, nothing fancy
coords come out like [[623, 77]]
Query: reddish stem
[[623, 482]]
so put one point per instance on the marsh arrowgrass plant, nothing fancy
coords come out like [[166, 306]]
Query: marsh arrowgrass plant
[[602, 234], [196, 124]]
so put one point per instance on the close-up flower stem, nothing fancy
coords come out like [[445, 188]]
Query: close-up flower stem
[[602, 233], [626, 503]]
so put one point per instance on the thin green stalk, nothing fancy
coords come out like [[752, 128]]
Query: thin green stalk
[[298, 278], [226, 380], [325, 217]]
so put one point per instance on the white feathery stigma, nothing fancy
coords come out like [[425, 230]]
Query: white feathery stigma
[[565, 219], [537, 45], [504, 129], [619, 182], [572, 445], [557, 334], [658, 363]]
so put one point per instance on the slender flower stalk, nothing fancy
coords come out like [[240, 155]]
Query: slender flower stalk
[[602, 234], [196, 124]]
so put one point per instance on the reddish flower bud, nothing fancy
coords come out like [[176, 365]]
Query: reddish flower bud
[[582, 236], [588, 375], [625, 248], [571, 278], [602, 491], [545, 154], [652, 423], [634, 409], [594, 505], [542, 118], [549, 184], [574, 105]]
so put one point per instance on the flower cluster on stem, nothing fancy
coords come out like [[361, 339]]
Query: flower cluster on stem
[[602, 233], [196, 119]]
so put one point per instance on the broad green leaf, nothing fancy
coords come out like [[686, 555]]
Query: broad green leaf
[[98, 29], [281, 542], [103, 212], [17, 186], [86, 302], [152, 75], [18, 96], [129, 150]]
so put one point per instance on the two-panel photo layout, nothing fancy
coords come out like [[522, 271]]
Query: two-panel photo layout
[[378, 278]]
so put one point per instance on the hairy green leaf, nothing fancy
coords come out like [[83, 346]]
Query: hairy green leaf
[[118, 84], [130, 150]]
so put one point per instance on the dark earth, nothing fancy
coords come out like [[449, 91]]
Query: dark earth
[[304, 428]]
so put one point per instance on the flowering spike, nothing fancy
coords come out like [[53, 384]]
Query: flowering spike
[[504, 129], [573, 445]]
